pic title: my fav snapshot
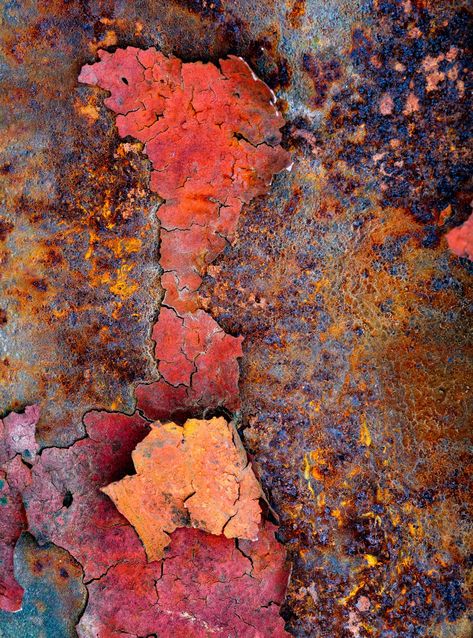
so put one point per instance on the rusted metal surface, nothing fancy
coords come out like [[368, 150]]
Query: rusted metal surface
[[54, 596], [357, 360]]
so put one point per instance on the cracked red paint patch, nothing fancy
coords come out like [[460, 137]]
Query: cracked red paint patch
[[64, 504], [17, 435], [460, 239], [17, 445], [198, 366], [195, 475], [12, 523], [204, 586], [212, 135]]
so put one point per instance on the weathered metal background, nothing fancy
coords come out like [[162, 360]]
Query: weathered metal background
[[357, 355]]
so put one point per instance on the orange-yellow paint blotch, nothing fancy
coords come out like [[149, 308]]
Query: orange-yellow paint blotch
[[365, 435], [371, 559], [195, 475]]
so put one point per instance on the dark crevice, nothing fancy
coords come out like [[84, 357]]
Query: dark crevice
[[68, 499]]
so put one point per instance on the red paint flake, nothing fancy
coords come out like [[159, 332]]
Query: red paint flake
[[196, 357], [460, 239], [204, 586], [212, 135], [64, 504], [17, 442]]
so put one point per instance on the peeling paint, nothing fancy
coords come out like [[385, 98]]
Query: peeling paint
[[196, 475]]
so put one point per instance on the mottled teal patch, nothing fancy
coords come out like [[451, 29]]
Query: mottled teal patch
[[3, 500], [54, 597]]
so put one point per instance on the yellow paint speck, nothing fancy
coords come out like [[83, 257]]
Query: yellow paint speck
[[365, 436], [307, 474], [354, 591], [371, 560]]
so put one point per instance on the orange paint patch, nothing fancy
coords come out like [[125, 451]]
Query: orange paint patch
[[197, 475]]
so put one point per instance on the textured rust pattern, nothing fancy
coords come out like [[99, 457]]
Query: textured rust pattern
[[355, 314]]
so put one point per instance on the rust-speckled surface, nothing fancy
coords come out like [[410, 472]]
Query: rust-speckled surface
[[356, 376]]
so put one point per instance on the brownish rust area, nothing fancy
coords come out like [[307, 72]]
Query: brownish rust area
[[77, 243], [358, 360]]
